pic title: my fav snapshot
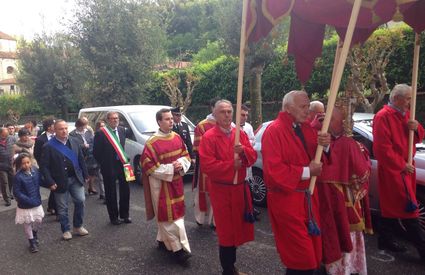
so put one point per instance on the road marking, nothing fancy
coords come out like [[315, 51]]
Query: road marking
[[383, 257]]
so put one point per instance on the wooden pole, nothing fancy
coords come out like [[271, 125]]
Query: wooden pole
[[336, 82], [336, 59], [415, 70], [240, 79]]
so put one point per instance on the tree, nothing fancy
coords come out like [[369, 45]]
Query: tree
[[368, 65], [52, 72], [172, 83], [121, 41]]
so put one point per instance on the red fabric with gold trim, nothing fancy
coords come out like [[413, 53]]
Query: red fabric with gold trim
[[342, 187], [203, 181], [164, 150]]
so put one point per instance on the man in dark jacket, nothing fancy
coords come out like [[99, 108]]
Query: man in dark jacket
[[64, 170], [112, 169], [180, 127], [6, 170], [48, 133]]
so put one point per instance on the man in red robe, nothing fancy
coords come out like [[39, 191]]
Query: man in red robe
[[164, 161], [202, 205], [288, 147], [316, 114], [343, 194], [397, 178], [231, 201]]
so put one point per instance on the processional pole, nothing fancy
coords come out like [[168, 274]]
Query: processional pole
[[240, 79], [415, 70], [336, 82]]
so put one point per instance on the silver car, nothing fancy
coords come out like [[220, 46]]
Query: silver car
[[362, 132], [140, 123]]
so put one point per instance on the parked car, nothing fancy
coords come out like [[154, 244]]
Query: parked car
[[362, 132], [139, 122]]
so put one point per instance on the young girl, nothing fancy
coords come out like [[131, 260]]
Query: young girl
[[26, 188]]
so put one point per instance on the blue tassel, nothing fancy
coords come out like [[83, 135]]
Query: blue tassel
[[313, 229], [411, 207]]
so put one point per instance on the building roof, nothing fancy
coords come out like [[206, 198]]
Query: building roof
[[8, 55], [6, 36], [9, 81]]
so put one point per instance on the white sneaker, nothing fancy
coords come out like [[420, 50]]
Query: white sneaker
[[67, 235], [81, 231]]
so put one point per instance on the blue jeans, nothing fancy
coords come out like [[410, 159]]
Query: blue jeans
[[76, 190]]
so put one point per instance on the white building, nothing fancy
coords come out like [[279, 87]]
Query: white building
[[8, 65]]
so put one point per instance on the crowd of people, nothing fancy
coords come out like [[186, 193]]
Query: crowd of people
[[315, 230]]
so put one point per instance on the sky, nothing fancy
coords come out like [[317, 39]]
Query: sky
[[30, 17]]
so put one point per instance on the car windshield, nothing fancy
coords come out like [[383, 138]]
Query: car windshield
[[145, 122]]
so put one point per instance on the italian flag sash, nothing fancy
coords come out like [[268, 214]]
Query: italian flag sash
[[113, 140]]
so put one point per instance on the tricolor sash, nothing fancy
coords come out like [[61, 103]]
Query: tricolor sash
[[113, 140]]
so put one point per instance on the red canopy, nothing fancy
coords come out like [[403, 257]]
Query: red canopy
[[308, 20]]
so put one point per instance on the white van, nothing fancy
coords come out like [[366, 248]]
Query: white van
[[140, 124]]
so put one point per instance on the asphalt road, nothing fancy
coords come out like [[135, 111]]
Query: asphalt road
[[131, 248]]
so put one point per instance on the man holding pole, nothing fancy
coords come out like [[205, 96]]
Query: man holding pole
[[288, 147], [221, 160], [397, 178]]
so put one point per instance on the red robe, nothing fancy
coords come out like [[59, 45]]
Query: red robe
[[203, 180], [227, 199], [390, 146], [284, 157], [342, 188], [164, 150]]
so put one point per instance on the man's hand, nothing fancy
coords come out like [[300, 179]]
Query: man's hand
[[53, 187], [412, 124], [177, 166], [409, 168], [315, 169], [323, 139], [238, 149], [238, 163]]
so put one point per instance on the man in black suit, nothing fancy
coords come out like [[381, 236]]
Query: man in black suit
[[62, 165], [182, 129], [49, 132], [112, 170]]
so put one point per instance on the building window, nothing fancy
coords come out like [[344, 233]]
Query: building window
[[10, 70], [12, 88]]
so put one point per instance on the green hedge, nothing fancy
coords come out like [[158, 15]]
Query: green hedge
[[19, 104]]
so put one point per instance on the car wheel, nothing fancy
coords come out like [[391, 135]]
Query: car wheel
[[258, 187], [137, 168], [421, 202]]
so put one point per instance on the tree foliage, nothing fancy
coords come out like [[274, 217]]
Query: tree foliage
[[121, 41], [52, 72]]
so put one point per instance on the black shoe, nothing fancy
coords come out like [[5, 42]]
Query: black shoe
[[391, 245], [34, 234], [116, 222], [182, 256], [33, 246], [161, 246], [127, 220], [8, 203]]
